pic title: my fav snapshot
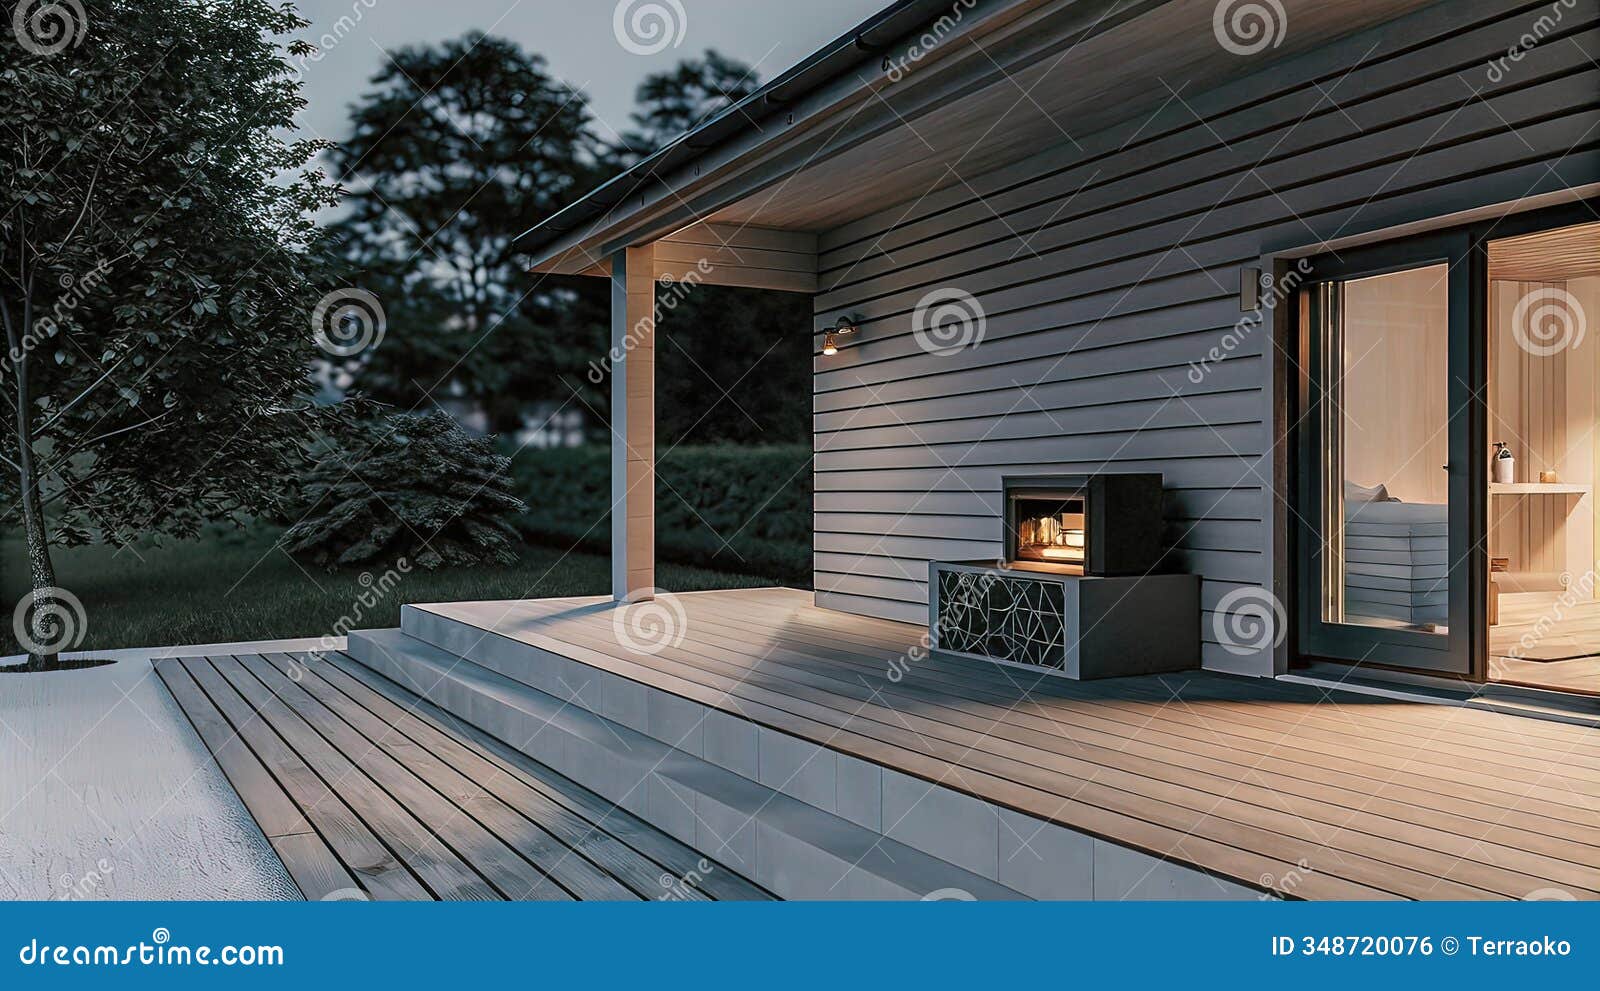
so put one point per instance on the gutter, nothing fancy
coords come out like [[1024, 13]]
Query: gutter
[[872, 39]]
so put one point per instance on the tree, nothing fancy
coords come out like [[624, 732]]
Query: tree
[[158, 269], [424, 492], [674, 101], [456, 149], [734, 367]]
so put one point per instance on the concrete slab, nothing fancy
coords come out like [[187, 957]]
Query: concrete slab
[[107, 792]]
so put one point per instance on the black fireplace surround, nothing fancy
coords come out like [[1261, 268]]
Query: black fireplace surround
[[1079, 592], [1093, 525]]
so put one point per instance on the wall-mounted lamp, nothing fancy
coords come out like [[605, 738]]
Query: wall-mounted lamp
[[830, 340]]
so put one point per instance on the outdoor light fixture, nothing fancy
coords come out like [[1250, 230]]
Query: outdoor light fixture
[[830, 340]]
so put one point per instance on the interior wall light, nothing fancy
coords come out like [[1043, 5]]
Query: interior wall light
[[830, 340]]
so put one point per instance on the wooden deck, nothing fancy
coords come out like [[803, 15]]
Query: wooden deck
[[1354, 796], [366, 791]]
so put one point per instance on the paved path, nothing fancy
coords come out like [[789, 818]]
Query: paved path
[[107, 793]]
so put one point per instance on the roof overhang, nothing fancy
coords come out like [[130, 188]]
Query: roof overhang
[[916, 99]]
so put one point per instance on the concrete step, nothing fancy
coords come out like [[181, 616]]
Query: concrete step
[[644, 749]]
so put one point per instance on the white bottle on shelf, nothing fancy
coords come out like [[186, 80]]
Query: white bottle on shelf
[[1504, 465]]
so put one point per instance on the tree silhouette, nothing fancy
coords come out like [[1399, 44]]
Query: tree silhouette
[[456, 149], [672, 102]]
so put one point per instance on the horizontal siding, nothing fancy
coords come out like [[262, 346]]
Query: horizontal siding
[[1181, 504], [1107, 271]]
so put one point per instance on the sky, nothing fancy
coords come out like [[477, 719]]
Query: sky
[[579, 39]]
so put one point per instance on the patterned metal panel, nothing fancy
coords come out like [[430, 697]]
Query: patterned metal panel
[[1010, 619]]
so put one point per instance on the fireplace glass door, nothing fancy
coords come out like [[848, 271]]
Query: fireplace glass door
[[1051, 530]]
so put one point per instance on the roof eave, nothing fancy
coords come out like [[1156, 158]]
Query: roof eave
[[555, 244]]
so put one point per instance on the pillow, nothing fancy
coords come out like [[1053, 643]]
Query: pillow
[[1362, 493]]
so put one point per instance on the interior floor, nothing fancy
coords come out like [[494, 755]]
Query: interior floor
[[1547, 641]]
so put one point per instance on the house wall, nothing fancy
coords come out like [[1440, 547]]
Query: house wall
[[1107, 270]]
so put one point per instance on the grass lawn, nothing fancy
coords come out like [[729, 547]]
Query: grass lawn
[[237, 586]]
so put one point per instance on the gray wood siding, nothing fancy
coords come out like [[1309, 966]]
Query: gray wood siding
[[1105, 268]]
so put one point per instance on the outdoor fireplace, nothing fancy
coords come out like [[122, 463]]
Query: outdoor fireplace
[[1080, 592], [1083, 524]]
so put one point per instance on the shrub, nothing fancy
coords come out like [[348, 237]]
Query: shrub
[[419, 488], [743, 509]]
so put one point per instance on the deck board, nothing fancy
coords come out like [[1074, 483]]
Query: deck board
[[1237, 776], [607, 833], [1193, 810], [311, 864], [473, 854], [514, 830], [600, 830], [438, 867], [364, 794], [372, 865]]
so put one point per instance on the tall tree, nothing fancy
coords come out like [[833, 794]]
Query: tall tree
[[672, 102], [734, 367], [456, 149], [157, 275]]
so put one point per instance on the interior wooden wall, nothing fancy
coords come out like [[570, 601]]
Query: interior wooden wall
[[1544, 407]]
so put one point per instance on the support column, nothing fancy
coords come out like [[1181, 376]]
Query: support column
[[633, 423]]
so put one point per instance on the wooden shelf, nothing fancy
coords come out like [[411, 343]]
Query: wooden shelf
[[1537, 488]]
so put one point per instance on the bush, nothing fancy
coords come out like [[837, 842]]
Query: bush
[[744, 509], [418, 488]]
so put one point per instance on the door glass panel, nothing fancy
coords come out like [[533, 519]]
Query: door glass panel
[[1384, 535]]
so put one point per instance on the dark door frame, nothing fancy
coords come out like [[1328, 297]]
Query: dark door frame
[[1469, 346], [1434, 653]]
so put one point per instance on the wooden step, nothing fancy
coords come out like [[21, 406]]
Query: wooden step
[[786, 844]]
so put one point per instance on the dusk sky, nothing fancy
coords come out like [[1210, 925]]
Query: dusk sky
[[577, 37]]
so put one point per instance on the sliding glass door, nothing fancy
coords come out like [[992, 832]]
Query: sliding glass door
[[1386, 469]]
